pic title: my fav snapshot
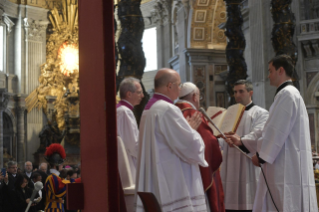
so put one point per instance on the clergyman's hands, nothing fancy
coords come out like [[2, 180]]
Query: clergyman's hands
[[226, 139], [234, 138], [195, 120], [255, 161]]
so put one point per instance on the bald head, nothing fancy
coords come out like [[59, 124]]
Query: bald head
[[163, 77], [167, 82]]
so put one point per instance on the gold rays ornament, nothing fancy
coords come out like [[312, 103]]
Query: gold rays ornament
[[61, 69]]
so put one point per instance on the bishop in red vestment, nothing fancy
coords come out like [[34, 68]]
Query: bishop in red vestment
[[189, 103]]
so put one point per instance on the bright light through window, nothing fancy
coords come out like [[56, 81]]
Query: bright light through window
[[1, 48], [150, 49]]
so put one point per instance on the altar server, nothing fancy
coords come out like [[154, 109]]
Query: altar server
[[239, 175], [131, 94], [285, 148], [170, 150], [189, 104]]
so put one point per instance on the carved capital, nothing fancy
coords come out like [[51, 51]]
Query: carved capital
[[35, 30], [9, 23], [161, 12]]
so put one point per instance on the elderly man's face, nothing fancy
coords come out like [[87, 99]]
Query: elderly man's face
[[138, 95], [28, 167], [44, 168]]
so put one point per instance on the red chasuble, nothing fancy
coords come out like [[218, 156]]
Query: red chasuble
[[210, 175]]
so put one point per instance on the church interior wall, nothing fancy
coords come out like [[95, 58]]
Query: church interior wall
[[26, 51]]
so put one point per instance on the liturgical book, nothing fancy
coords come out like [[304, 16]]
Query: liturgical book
[[227, 120]]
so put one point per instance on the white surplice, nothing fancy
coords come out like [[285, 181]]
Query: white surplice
[[169, 154], [239, 175], [286, 147], [128, 131]]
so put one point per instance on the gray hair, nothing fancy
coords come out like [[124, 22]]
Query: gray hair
[[128, 84], [11, 163], [43, 164], [248, 84], [27, 162]]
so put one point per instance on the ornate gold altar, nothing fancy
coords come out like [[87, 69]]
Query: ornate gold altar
[[58, 92]]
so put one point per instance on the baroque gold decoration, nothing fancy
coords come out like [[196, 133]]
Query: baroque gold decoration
[[207, 15], [60, 72]]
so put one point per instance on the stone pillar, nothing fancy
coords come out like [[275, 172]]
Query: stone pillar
[[18, 51], [35, 31], [161, 16], [3, 104], [9, 24], [21, 137]]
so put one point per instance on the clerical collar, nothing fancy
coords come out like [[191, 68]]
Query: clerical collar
[[283, 85], [249, 106], [185, 101], [155, 98], [124, 103], [14, 175], [54, 171]]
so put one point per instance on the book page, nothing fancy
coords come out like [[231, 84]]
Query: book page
[[232, 118]]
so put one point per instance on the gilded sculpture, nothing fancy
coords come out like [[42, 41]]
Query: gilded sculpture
[[60, 73]]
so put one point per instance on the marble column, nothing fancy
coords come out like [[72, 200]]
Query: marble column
[[18, 51], [3, 104], [21, 140], [35, 32], [9, 24]]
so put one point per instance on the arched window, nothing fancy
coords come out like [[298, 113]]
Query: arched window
[[150, 49]]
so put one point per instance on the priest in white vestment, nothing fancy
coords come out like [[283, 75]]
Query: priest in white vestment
[[131, 94], [239, 176], [170, 150], [284, 148]]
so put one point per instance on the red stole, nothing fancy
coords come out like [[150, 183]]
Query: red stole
[[210, 175]]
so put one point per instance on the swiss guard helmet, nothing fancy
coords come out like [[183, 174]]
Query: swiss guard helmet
[[55, 154]]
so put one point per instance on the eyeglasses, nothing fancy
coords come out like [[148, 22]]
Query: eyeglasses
[[138, 92], [179, 85]]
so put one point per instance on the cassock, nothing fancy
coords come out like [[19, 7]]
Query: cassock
[[210, 175], [285, 147], [239, 175], [128, 131], [169, 154]]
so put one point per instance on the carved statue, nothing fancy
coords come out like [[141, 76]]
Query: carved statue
[[60, 71], [54, 78], [283, 32], [235, 46], [49, 134]]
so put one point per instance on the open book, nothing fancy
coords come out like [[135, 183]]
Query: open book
[[226, 120]]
